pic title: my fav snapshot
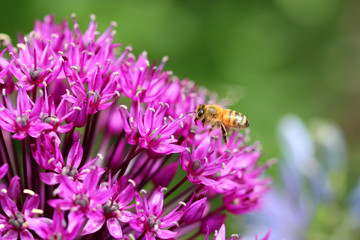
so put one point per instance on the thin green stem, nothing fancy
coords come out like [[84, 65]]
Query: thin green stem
[[86, 133], [25, 179], [67, 143], [218, 210], [90, 137], [16, 158], [194, 236], [187, 192], [175, 187], [111, 156]]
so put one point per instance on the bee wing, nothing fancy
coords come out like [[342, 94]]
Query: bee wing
[[215, 123], [233, 95]]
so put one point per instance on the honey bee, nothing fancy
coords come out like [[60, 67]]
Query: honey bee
[[216, 116]]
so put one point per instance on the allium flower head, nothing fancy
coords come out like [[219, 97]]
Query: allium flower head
[[87, 126]]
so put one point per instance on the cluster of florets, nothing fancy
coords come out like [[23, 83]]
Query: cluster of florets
[[92, 136]]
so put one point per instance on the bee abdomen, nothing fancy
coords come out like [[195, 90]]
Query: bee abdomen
[[240, 121], [247, 124]]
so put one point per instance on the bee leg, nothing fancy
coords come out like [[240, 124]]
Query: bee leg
[[224, 133], [203, 122], [212, 127]]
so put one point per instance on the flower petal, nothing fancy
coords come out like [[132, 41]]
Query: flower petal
[[165, 234], [92, 226], [75, 155], [156, 202], [114, 227]]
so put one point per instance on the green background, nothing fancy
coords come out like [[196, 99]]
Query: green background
[[270, 58]]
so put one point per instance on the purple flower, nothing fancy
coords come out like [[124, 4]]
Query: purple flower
[[140, 81], [4, 65], [165, 175], [220, 235], [92, 41], [149, 216], [50, 30], [155, 132], [99, 92], [25, 119], [194, 212], [114, 211], [212, 222], [7, 85], [15, 223], [202, 164], [55, 114], [14, 189], [54, 228], [82, 199], [71, 169], [35, 64], [46, 151]]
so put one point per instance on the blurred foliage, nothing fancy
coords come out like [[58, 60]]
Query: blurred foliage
[[269, 58]]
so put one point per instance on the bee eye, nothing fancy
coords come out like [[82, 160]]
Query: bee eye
[[200, 113]]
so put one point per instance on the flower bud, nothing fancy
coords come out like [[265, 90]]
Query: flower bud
[[14, 188], [165, 175], [3, 170], [212, 223], [195, 211]]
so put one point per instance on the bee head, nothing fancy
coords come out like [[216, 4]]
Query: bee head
[[200, 111]]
